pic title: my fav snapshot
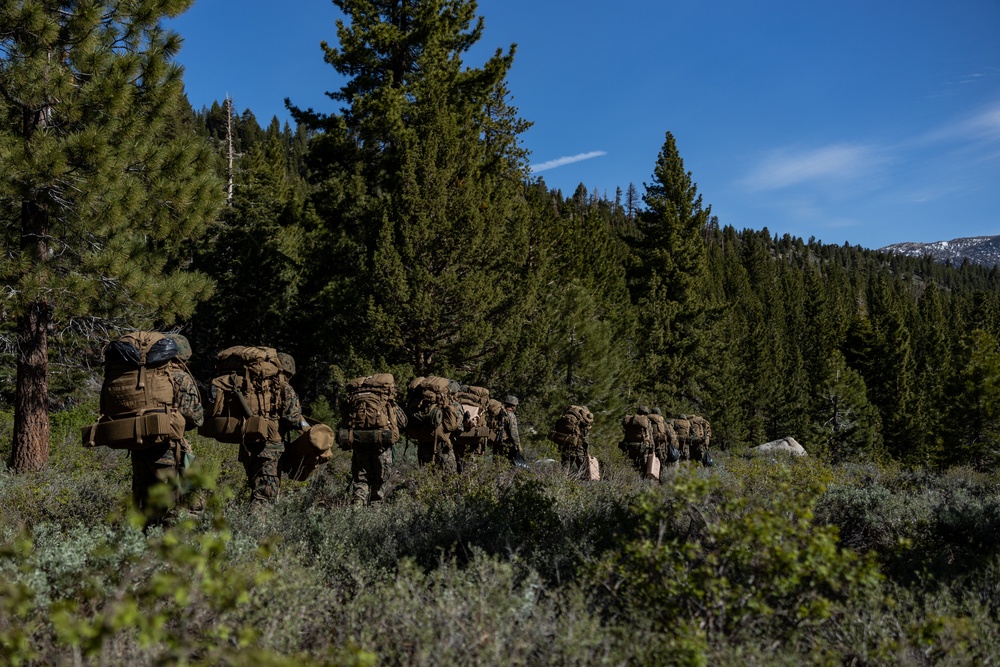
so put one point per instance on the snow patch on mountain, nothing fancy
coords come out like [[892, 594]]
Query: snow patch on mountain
[[983, 250]]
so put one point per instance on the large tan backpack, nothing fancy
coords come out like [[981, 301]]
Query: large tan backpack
[[432, 409], [245, 396], [682, 427], [494, 415], [571, 426], [138, 396], [307, 452], [369, 412], [637, 429], [659, 425], [701, 430], [474, 402]]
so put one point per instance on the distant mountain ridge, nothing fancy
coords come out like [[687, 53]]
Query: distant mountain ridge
[[983, 250]]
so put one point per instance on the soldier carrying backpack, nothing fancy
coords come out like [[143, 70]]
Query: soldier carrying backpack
[[148, 399], [701, 438], [637, 443], [371, 425], [434, 418], [507, 443], [664, 439], [694, 434], [252, 404], [471, 441], [571, 433]]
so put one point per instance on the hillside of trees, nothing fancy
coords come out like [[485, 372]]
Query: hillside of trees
[[405, 233]]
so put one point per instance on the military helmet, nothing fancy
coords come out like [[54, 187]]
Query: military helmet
[[183, 346], [287, 363], [643, 410], [656, 411], [510, 400]]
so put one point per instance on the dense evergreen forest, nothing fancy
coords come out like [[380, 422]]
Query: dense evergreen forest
[[405, 233], [612, 302]]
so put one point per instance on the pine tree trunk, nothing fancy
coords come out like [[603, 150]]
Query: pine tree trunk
[[30, 450]]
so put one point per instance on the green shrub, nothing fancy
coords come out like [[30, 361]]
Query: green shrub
[[706, 560]]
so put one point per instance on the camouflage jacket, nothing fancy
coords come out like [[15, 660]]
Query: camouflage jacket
[[508, 430], [291, 409], [188, 398]]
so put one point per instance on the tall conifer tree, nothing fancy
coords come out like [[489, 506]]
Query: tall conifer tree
[[102, 190], [665, 278], [419, 187]]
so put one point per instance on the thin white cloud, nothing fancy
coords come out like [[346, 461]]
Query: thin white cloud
[[563, 161], [986, 123], [786, 168], [981, 126]]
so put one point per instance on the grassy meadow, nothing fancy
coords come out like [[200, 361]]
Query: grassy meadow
[[752, 562]]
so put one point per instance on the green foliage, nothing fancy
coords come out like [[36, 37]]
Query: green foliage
[[939, 526], [697, 562], [92, 586], [501, 566], [104, 190], [417, 187]]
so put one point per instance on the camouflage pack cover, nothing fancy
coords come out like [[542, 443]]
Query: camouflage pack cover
[[659, 424], [431, 408], [571, 426], [370, 405], [138, 405], [245, 395], [637, 428], [701, 430]]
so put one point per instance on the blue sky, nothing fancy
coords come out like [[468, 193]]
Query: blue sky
[[862, 122]]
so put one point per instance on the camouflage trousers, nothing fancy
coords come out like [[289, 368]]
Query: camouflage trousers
[[505, 450], [636, 453], [260, 461], [574, 459], [466, 449], [369, 471], [442, 455], [162, 464], [684, 447], [692, 450]]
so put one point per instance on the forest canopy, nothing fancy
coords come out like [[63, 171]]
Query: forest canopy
[[404, 233]]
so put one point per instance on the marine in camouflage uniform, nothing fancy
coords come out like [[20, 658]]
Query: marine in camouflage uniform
[[664, 437], [636, 451], [260, 458], [370, 466], [166, 462], [508, 440], [440, 450], [695, 435], [682, 427], [576, 457], [701, 438]]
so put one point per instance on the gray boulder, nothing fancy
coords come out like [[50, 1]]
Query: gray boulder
[[784, 445]]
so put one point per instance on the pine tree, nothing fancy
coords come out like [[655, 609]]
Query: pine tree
[[103, 189], [665, 279], [255, 256], [973, 414], [420, 177], [845, 425]]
